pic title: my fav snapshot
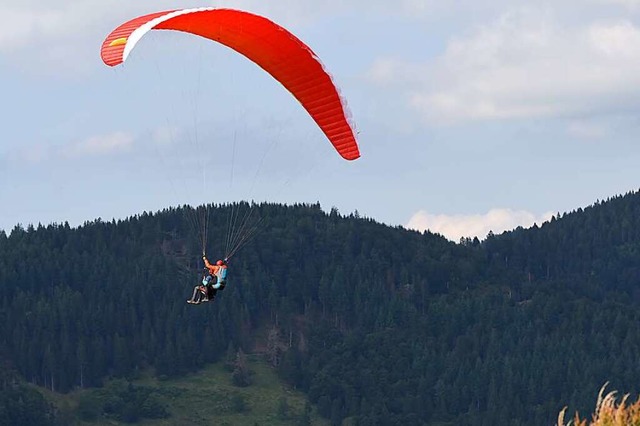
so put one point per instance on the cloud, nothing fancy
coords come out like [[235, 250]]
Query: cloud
[[116, 142], [63, 37], [101, 145], [524, 64], [629, 4], [34, 155], [384, 71], [301, 12], [455, 227], [165, 135], [58, 37], [583, 129], [30, 22], [42, 22]]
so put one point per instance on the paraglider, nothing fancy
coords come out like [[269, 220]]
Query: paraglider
[[268, 45], [214, 279], [274, 49]]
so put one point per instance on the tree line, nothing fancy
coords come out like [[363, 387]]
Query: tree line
[[377, 324]]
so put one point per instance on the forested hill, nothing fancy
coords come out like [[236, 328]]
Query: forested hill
[[595, 249], [378, 325]]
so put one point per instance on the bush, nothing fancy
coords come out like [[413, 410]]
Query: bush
[[238, 404], [89, 408], [124, 402]]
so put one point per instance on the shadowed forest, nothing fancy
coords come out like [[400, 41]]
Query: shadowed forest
[[376, 325]]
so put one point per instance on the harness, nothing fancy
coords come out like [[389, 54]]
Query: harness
[[222, 274], [221, 278]]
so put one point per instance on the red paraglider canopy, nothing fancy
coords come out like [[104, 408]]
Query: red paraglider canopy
[[267, 44]]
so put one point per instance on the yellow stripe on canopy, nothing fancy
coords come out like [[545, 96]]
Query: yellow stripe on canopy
[[119, 41]]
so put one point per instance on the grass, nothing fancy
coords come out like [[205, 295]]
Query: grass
[[608, 412], [210, 398]]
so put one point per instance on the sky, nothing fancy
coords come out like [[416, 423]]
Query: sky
[[473, 115]]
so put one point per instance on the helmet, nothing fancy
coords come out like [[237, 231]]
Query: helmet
[[219, 263]]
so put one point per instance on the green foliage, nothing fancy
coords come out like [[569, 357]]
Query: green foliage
[[241, 372], [206, 397], [283, 408], [231, 357], [378, 325], [89, 407], [122, 401], [20, 405], [305, 417], [238, 403]]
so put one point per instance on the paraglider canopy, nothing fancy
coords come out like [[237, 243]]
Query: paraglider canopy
[[270, 46]]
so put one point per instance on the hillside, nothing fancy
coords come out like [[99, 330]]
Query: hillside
[[205, 398], [375, 324]]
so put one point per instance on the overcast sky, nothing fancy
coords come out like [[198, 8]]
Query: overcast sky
[[473, 115]]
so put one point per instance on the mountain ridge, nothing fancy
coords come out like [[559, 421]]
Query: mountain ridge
[[377, 324]]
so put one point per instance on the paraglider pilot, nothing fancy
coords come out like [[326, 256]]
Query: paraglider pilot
[[213, 280]]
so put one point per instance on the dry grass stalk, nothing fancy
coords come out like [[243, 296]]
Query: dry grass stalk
[[608, 412]]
